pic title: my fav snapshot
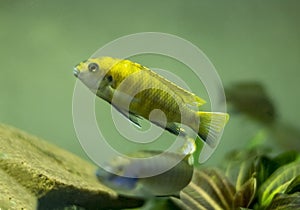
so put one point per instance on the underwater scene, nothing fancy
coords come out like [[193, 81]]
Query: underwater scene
[[149, 104]]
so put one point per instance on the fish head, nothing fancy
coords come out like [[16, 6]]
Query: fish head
[[117, 182], [115, 175], [94, 72]]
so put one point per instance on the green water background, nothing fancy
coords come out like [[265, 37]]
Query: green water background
[[41, 41]]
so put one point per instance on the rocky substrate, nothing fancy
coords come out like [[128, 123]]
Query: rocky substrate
[[38, 175]]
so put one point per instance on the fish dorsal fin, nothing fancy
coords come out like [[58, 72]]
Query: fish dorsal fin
[[186, 96]]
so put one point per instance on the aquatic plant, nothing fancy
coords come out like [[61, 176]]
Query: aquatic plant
[[250, 179]]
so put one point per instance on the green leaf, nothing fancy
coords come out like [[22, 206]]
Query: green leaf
[[266, 166], [209, 189], [245, 196], [180, 204], [241, 167], [285, 202], [294, 186], [258, 140], [160, 203], [199, 146], [286, 158], [278, 182]]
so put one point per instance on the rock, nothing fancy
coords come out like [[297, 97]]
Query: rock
[[14, 195], [40, 174]]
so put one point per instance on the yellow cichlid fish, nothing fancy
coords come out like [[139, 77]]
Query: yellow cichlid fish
[[135, 91]]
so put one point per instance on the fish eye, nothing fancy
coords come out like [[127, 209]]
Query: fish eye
[[109, 78], [93, 67]]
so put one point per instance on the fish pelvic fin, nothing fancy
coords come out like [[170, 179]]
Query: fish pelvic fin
[[211, 126]]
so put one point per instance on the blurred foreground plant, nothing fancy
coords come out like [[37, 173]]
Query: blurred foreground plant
[[249, 180]]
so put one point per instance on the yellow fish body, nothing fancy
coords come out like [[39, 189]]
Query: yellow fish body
[[136, 91]]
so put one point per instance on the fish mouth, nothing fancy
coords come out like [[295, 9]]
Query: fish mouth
[[76, 72]]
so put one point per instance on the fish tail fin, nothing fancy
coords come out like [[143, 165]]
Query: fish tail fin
[[211, 126]]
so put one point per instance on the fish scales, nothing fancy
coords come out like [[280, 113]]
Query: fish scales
[[135, 91], [153, 94]]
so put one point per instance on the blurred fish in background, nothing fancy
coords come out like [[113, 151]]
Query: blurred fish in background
[[150, 174], [250, 98]]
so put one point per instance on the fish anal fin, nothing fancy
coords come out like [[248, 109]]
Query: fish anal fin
[[134, 119], [130, 116], [174, 128]]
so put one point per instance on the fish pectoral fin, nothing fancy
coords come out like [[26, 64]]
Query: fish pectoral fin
[[134, 119], [174, 128]]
